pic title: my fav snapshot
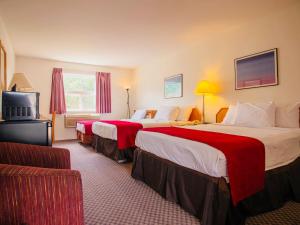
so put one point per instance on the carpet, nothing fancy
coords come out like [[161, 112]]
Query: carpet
[[111, 196]]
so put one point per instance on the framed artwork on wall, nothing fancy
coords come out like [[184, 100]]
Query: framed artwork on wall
[[3, 68], [257, 70], [173, 86]]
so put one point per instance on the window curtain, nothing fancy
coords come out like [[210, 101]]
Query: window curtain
[[103, 93], [57, 103]]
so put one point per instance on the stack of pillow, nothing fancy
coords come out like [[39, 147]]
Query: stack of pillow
[[139, 114], [166, 113], [262, 115], [288, 116]]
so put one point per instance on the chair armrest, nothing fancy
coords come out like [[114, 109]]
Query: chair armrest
[[32, 195], [34, 155]]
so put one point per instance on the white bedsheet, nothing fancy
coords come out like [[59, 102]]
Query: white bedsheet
[[282, 146], [109, 131]]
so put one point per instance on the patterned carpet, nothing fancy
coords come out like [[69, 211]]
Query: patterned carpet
[[111, 196]]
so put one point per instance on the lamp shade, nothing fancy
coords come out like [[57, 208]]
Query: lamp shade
[[203, 87], [20, 80]]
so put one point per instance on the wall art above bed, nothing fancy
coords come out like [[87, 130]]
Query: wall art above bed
[[173, 86], [257, 70]]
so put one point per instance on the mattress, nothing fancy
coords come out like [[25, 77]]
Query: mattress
[[109, 131], [282, 146]]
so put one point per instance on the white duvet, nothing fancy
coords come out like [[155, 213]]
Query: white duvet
[[282, 146]]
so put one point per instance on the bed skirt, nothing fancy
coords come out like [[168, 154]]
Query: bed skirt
[[110, 149], [208, 198], [84, 138]]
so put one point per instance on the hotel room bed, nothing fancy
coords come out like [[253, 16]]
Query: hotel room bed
[[85, 134], [281, 147], [105, 137], [195, 175], [109, 131]]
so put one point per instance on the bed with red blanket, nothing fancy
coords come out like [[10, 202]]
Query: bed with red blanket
[[220, 174], [116, 138]]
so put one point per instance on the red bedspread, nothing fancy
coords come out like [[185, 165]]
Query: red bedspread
[[126, 132], [87, 125], [245, 157]]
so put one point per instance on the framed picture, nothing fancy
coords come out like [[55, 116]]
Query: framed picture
[[257, 70], [3, 78], [173, 86]]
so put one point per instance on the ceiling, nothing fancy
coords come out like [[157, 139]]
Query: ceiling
[[125, 33]]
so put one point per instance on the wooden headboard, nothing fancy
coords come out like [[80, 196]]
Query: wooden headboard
[[221, 114], [195, 115]]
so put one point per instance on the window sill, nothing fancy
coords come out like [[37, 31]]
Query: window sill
[[82, 114]]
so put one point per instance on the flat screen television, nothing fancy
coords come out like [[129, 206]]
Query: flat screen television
[[20, 105]]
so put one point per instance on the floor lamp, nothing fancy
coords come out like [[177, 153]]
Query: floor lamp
[[128, 106], [203, 88]]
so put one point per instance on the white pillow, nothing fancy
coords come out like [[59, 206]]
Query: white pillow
[[288, 116], [229, 119], [167, 113], [255, 115], [139, 114], [185, 113]]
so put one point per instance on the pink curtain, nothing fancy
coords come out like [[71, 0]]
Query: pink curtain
[[57, 103], [103, 93]]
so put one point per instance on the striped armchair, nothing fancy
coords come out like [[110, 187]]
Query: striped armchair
[[37, 186]]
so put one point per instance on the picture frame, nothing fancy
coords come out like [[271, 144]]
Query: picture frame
[[3, 68], [173, 86], [257, 70]]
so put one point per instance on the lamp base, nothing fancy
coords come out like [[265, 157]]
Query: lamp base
[[14, 88]]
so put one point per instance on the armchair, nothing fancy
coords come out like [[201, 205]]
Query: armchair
[[38, 196], [34, 155]]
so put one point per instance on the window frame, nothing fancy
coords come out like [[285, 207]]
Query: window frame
[[74, 112]]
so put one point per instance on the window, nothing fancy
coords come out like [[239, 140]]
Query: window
[[80, 92]]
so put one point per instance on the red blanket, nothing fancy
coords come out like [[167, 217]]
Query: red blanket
[[126, 132], [87, 125], [245, 157]]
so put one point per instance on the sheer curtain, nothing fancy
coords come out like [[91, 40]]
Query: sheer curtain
[[103, 92]]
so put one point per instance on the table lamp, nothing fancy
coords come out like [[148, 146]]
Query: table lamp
[[19, 82], [203, 88]]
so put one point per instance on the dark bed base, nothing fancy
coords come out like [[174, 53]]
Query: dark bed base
[[110, 149], [208, 198]]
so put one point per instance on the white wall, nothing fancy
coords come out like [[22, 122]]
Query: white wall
[[9, 51], [39, 72], [213, 59]]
